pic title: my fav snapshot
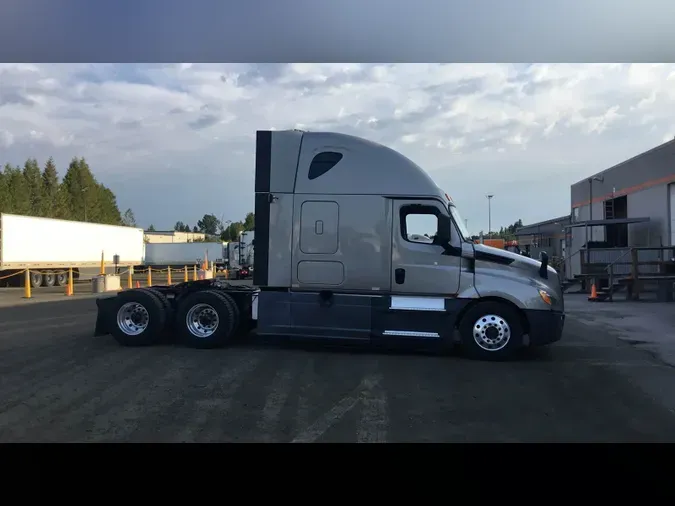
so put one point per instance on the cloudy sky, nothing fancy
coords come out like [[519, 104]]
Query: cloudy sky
[[175, 141]]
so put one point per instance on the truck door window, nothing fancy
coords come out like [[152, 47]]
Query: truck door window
[[419, 223]]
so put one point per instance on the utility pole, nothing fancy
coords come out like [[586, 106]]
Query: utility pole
[[84, 201], [489, 197]]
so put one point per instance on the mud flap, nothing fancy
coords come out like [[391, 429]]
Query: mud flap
[[103, 316]]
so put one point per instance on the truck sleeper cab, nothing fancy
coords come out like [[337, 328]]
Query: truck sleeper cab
[[340, 256]]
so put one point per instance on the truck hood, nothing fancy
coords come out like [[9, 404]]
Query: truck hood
[[507, 254], [518, 260]]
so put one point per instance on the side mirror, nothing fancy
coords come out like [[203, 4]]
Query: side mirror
[[444, 234]]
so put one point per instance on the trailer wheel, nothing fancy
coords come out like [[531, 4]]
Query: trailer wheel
[[61, 279], [140, 318], [35, 279], [492, 331], [48, 278], [206, 319]]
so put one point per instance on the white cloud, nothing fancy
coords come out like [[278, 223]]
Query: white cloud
[[176, 141]]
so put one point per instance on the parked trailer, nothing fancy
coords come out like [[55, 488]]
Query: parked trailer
[[163, 255], [335, 261], [49, 247]]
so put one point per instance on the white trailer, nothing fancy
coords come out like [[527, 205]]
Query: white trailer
[[162, 255], [49, 247]]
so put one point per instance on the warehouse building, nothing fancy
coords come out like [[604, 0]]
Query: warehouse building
[[548, 236], [629, 205]]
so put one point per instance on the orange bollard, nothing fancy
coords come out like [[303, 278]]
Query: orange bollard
[[102, 263], [149, 276], [69, 286], [186, 279], [26, 285], [168, 276], [194, 273]]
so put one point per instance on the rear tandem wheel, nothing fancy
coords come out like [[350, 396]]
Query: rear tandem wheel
[[207, 319], [140, 318]]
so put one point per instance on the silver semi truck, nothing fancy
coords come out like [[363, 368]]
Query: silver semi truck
[[354, 244]]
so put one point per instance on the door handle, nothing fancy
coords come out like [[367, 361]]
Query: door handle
[[399, 276]]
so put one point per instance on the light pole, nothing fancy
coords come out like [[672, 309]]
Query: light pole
[[489, 197], [84, 201]]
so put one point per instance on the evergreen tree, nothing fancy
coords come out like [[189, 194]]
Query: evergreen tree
[[31, 172], [4, 192], [52, 197], [78, 185], [19, 197], [86, 198], [128, 219], [105, 207]]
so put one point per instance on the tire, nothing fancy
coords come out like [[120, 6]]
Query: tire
[[162, 298], [48, 278], [491, 331], [138, 318], [61, 279], [217, 327], [166, 304], [35, 279], [235, 310]]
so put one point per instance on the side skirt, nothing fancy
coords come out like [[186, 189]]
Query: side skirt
[[375, 320]]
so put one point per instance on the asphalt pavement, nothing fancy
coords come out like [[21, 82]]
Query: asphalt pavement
[[58, 383]]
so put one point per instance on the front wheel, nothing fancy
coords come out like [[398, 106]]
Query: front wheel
[[491, 331]]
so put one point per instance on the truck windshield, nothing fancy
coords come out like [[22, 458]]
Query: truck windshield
[[459, 221]]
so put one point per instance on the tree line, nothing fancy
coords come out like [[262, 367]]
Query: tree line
[[30, 191], [216, 229], [506, 233]]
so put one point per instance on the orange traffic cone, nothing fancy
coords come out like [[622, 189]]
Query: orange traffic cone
[[138, 284], [594, 293]]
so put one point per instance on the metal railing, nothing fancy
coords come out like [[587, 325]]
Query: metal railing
[[610, 271], [646, 264]]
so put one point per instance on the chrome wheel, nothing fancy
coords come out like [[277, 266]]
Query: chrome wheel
[[133, 318], [202, 320], [491, 332]]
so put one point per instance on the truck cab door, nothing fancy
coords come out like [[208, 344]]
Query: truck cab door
[[420, 267]]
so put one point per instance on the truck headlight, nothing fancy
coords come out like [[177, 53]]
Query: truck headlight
[[546, 297]]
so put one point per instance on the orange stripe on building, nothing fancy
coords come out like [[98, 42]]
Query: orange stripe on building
[[629, 190]]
